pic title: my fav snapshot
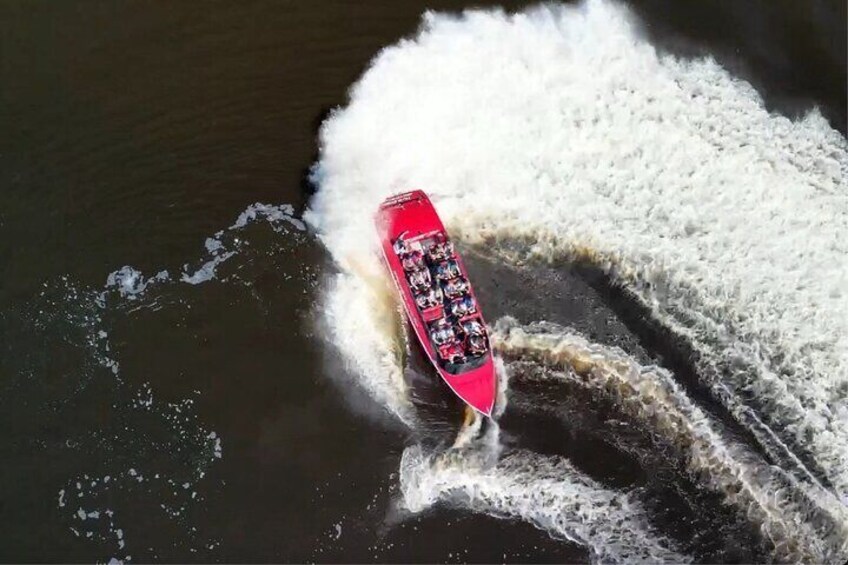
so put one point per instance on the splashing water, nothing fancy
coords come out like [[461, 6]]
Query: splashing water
[[802, 521], [562, 131], [723, 218], [545, 491]]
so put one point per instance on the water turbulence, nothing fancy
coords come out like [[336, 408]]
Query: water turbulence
[[801, 521], [546, 491], [558, 135]]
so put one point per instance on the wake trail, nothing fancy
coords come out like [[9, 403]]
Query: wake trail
[[801, 521], [547, 492]]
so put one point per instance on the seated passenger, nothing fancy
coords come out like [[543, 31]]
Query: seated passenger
[[442, 333], [463, 307], [420, 280], [427, 299], [447, 270], [456, 287], [400, 246], [476, 344], [441, 249], [473, 327], [452, 353], [412, 261]]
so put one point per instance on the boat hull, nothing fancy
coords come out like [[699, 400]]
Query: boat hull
[[412, 217]]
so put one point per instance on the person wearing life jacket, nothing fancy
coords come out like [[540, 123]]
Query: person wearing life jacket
[[447, 270], [476, 344], [463, 306], [420, 280], [456, 287], [473, 327], [442, 333], [412, 261]]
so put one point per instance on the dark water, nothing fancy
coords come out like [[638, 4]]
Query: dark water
[[131, 133]]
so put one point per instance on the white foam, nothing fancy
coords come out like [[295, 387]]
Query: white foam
[[219, 251], [364, 323], [131, 284], [563, 127], [277, 216], [545, 491], [801, 520], [206, 272]]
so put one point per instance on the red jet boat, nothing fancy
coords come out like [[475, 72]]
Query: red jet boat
[[437, 297]]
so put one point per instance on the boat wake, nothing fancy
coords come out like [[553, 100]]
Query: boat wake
[[548, 492], [802, 521], [559, 135]]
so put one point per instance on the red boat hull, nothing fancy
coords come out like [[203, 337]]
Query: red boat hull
[[411, 217]]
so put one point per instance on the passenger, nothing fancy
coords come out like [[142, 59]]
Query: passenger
[[447, 270], [420, 280], [412, 261], [400, 247], [452, 353], [476, 344], [427, 299], [447, 248], [456, 287], [442, 333], [463, 306], [473, 327], [441, 249]]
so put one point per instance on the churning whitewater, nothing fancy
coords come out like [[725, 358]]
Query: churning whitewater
[[561, 134]]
